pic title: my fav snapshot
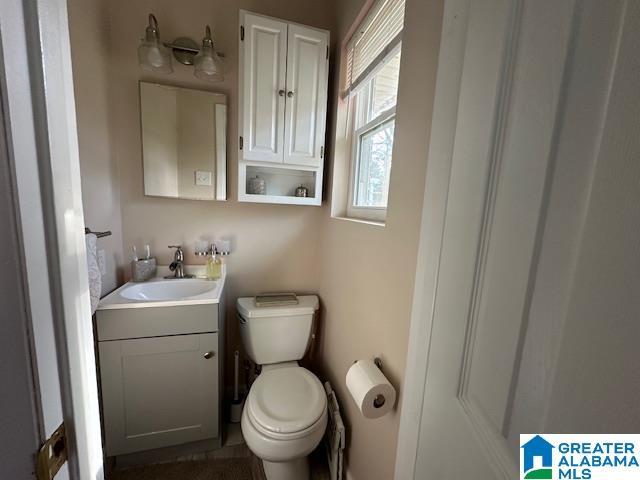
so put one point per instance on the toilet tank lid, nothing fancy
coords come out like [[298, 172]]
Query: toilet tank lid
[[307, 305]]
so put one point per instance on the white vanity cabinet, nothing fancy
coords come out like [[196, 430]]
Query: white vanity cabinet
[[283, 106], [160, 371]]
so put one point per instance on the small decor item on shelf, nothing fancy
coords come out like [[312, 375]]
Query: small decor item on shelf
[[257, 186], [302, 191]]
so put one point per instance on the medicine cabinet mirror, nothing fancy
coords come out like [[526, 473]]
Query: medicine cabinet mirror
[[184, 144]]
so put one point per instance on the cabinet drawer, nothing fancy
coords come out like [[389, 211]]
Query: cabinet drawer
[[120, 324]]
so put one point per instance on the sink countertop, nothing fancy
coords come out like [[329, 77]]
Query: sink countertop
[[116, 299]]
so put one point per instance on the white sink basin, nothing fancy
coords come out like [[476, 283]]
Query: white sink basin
[[167, 290], [160, 292]]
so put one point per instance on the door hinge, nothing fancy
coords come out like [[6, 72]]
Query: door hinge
[[321, 152], [241, 143], [52, 455], [242, 33], [327, 52]]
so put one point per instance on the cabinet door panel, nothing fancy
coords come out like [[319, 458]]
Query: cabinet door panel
[[306, 106], [159, 391], [263, 63]]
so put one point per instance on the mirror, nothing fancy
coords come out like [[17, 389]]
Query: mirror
[[184, 142]]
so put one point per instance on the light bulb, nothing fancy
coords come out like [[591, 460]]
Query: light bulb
[[152, 55], [207, 63]]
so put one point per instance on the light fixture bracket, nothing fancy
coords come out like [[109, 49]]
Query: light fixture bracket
[[184, 50]]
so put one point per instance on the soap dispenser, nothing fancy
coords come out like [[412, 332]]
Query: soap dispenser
[[214, 264]]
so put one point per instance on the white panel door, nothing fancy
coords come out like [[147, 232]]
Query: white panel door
[[262, 77], [159, 391], [500, 102], [306, 104]]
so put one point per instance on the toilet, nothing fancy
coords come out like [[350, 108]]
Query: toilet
[[285, 413]]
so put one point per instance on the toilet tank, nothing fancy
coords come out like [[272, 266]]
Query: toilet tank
[[276, 334]]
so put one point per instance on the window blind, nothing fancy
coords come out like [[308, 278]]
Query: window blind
[[377, 36]]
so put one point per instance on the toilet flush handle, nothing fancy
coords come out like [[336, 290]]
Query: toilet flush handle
[[208, 355]]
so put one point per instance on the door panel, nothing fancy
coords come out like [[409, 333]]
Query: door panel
[[263, 64], [523, 289], [500, 159], [513, 207], [159, 391], [23, 427], [306, 103], [38, 126]]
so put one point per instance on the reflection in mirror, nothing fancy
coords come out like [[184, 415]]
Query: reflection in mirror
[[184, 142]]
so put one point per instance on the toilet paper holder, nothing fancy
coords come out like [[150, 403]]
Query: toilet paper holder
[[377, 361], [379, 400]]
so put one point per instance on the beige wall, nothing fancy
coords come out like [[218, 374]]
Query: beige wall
[[275, 247], [363, 273], [89, 31], [367, 273]]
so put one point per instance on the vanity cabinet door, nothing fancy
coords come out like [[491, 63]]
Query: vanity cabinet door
[[306, 107], [263, 53], [159, 391]]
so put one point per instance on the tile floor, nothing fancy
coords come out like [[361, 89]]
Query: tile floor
[[234, 461]]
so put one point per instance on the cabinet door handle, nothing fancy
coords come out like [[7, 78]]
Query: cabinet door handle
[[208, 355], [289, 94], [281, 93]]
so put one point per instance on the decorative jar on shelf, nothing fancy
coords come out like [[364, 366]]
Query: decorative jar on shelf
[[302, 191], [256, 186]]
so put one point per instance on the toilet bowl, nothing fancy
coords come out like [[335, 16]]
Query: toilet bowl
[[285, 413], [284, 420]]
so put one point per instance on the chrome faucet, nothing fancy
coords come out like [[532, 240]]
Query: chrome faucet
[[177, 266]]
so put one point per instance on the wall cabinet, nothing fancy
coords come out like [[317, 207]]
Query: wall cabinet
[[283, 105], [160, 389]]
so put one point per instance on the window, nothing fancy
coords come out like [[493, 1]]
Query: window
[[373, 65]]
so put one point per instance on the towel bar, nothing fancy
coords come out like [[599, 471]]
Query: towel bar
[[97, 234]]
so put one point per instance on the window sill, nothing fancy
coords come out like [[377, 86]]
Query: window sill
[[373, 223]]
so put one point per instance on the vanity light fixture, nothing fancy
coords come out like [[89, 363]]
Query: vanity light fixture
[[154, 57], [208, 65]]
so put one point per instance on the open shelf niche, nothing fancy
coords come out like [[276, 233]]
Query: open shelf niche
[[281, 183]]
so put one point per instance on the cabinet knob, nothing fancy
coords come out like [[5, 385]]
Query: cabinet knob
[[208, 355], [289, 94], [281, 93]]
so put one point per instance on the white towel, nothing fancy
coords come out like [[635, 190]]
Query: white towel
[[95, 278]]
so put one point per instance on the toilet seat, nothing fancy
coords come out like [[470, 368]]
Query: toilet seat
[[286, 402]]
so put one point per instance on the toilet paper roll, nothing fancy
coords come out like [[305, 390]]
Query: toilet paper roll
[[370, 389]]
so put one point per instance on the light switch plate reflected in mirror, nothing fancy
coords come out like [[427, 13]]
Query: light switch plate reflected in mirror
[[203, 178]]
